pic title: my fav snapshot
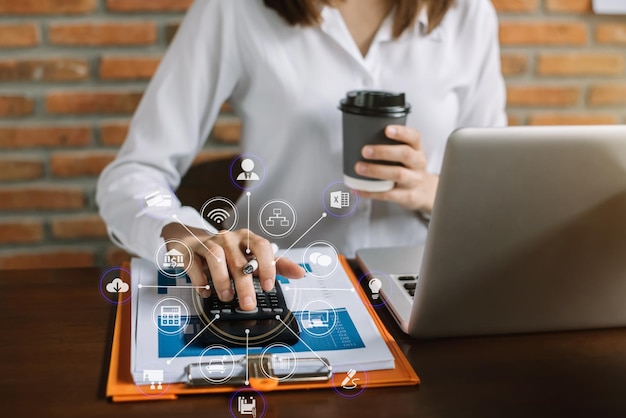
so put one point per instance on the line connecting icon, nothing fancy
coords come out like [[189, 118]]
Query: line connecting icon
[[324, 214]]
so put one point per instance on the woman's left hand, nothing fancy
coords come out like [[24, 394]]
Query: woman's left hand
[[414, 187]]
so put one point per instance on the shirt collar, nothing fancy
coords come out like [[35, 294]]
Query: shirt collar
[[385, 32], [330, 17], [421, 27], [333, 24], [422, 19]]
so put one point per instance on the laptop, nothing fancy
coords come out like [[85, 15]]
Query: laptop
[[528, 234]]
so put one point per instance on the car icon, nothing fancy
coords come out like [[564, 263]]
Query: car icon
[[216, 366]]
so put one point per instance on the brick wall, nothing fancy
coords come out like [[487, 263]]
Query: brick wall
[[73, 71], [563, 64]]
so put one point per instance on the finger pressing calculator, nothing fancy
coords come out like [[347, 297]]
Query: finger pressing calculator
[[271, 322]]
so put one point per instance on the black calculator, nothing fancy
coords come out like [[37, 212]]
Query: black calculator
[[271, 322]]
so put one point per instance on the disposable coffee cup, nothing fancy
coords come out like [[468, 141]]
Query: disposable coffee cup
[[366, 113]]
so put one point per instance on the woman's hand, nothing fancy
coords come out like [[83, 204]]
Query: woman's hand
[[226, 252], [414, 187]]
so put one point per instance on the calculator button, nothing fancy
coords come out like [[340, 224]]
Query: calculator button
[[278, 310], [253, 311], [266, 310], [227, 311]]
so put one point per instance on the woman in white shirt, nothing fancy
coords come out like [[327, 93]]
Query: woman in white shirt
[[284, 65]]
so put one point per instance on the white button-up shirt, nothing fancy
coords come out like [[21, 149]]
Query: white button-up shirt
[[285, 82]]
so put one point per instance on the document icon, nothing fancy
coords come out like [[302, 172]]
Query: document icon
[[339, 199]]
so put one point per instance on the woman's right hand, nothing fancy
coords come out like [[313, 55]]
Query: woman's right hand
[[224, 254]]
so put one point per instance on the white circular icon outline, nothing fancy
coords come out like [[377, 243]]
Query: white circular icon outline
[[230, 354], [181, 327], [305, 311], [292, 370], [157, 257], [222, 212], [247, 163], [293, 223], [306, 256]]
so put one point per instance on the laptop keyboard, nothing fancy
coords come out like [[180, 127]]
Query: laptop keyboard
[[408, 283]]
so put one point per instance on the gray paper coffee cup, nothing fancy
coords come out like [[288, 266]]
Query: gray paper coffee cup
[[366, 113]]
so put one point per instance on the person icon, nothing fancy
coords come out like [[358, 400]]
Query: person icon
[[247, 165]]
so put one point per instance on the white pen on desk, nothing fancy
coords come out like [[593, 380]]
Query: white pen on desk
[[251, 266]]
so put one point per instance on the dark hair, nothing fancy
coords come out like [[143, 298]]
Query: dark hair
[[307, 12]]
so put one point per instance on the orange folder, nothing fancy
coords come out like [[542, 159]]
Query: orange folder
[[121, 387]]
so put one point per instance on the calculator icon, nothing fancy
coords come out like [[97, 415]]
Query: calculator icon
[[170, 316]]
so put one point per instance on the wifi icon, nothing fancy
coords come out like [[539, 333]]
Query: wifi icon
[[218, 215]]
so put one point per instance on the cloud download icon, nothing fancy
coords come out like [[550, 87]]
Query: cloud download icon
[[117, 285]]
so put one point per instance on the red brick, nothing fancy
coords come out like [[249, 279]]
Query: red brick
[[80, 103], [128, 68], [53, 69], [41, 198], [44, 136], [514, 120], [568, 6], [513, 64], [113, 133], [515, 5], [16, 106], [135, 33], [170, 31], [79, 226], [572, 119], [80, 163], [117, 257], [213, 155], [48, 258], [21, 231], [543, 33], [18, 35], [607, 94], [148, 6], [227, 130], [20, 168], [28, 7], [611, 33], [580, 63], [542, 95]]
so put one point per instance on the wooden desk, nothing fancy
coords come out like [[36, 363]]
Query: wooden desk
[[56, 333]]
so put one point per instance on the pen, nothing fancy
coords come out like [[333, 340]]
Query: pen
[[251, 266]]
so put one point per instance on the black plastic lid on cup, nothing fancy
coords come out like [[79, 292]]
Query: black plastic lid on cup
[[375, 103]]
